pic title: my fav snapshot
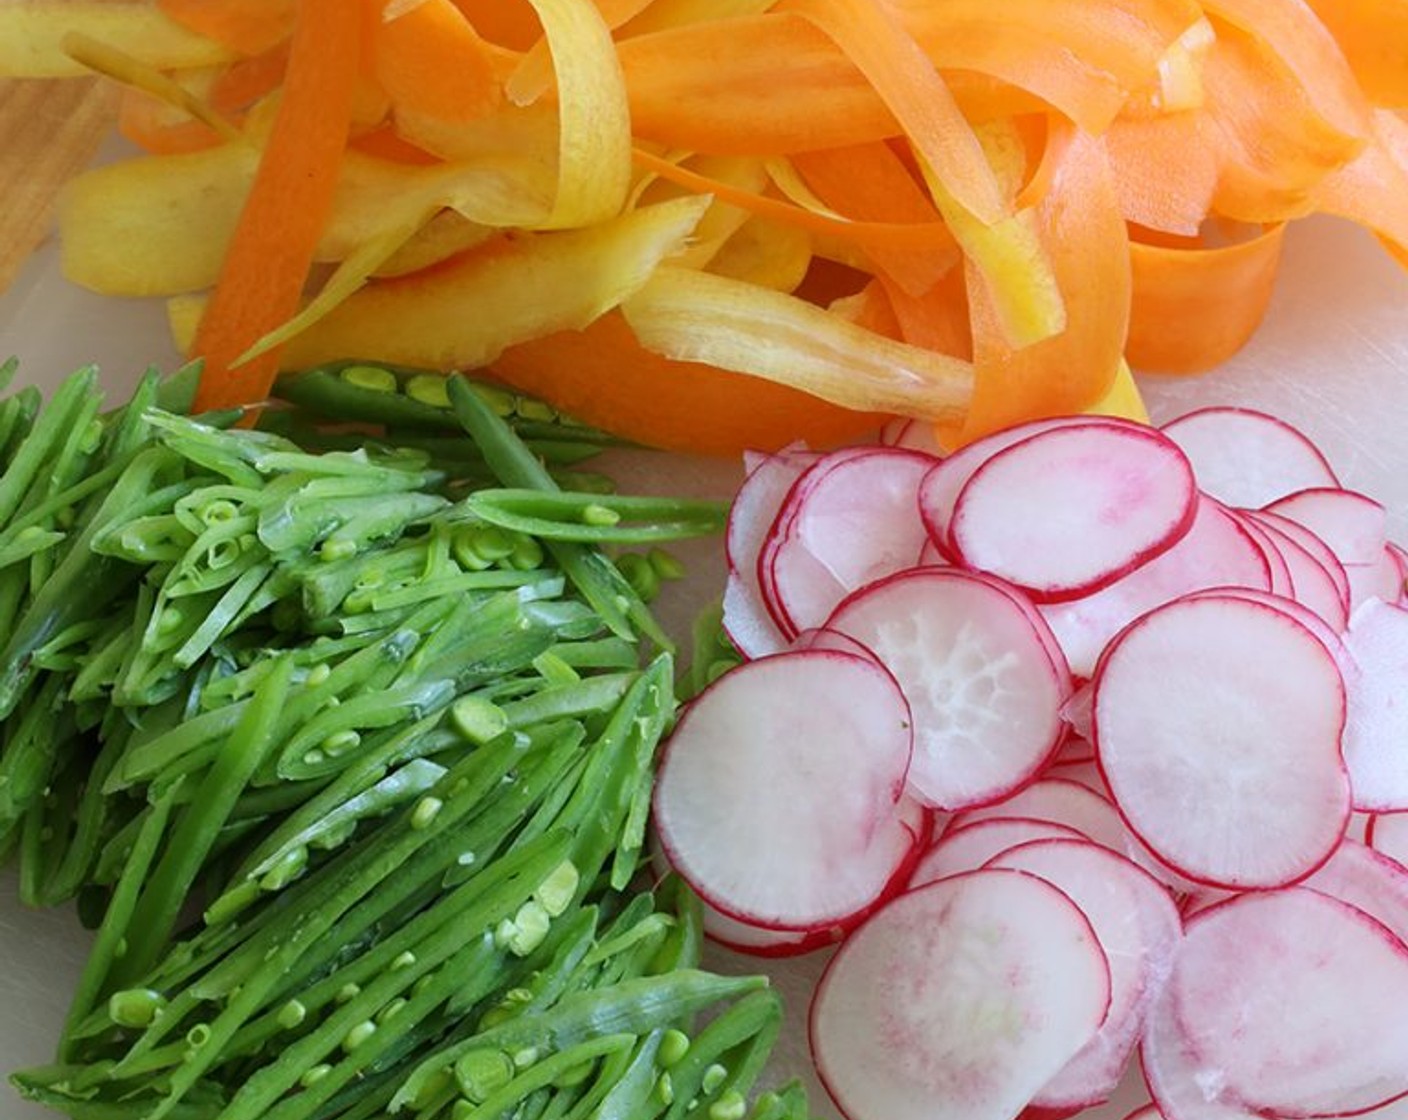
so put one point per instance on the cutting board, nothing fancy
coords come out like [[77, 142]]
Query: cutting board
[[1332, 358]]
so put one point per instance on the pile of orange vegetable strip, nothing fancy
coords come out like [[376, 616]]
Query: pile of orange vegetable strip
[[710, 224]]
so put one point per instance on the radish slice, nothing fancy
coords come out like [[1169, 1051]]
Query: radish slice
[[1296, 1002], [747, 620], [1376, 731], [968, 848], [1217, 724], [1072, 509], [983, 688], [1076, 712], [1281, 581], [801, 757], [1318, 579], [939, 492], [1388, 835], [850, 520], [1353, 525], [1060, 801], [1382, 580], [1139, 929], [1247, 458], [962, 998], [1216, 551], [1328, 635], [1182, 1088], [1368, 881], [915, 435], [1076, 751]]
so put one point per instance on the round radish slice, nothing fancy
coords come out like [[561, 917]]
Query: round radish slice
[[1297, 1002], [941, 486], [962, 998], [1072, 509], [1217, 725], [1318, 579], [1376, 731], [1060, 801], [755, 941], [1388, 835], [983, 688], [1368, 881], [1139, 929], [747, 620], [1281, 582], [1182, 1088], [1283, 527], [1353, 525], [968, 848], [777, 794], [1216, 551], [1382, 580], [1247, 458], [853, 520], [915, 435]]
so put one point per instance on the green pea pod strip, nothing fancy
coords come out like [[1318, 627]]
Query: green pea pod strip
[[116, 921], [597, 518], [160, 903], [599, 583], [53, 425]]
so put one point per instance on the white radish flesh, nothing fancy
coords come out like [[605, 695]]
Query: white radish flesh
[[1381, 580], [1283, 527], [960, 999], [1363, 878], [1318, 579], [1296, 1001], [982, 686], [1060, 801], [1217, 724], [1280, 580], [850, 520], [941, 487], [1070, 510], [1216, 551], [1376, 731], [747, 620], [1388, 835], [1139, 929], [1182, 1088], [970, 847], [801, 756], [1247, 458], [1352, 524]]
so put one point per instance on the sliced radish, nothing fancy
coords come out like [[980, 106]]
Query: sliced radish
[[1352, 524], [1076, 712], [942, 485], [850, 520], [1281, 581], [1382, 580], [1332, 639], [1296, 1002], [1318, 579], [1247, 458], [1076, 751], [800, 757], [1217, 725], [1388, 835], [1183, 1089], [915, 435], [1138, 927], [1368, 881], [968, 848], [1060, 801], [983, 688], [960, 999], [1216, 551], [1376, 732], [1072, 509], [747, 621]]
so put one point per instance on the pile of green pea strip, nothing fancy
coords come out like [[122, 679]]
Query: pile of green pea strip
[[342, 739]]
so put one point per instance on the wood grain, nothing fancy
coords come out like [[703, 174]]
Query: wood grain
[[49, 130]]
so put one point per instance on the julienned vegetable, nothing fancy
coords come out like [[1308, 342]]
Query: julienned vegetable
[[1148, 686], [349, 775], [693, 223]]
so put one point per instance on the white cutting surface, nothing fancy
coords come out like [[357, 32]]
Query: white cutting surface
[[1332, 358]]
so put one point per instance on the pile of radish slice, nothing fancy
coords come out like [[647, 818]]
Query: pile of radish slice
[[1089, 744]]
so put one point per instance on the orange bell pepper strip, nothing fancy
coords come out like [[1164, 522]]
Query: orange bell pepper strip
[[675, 405], [1195, 305], [264, 271], [1079, 222], [870, 182], [1373, 34], [432, 62]]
